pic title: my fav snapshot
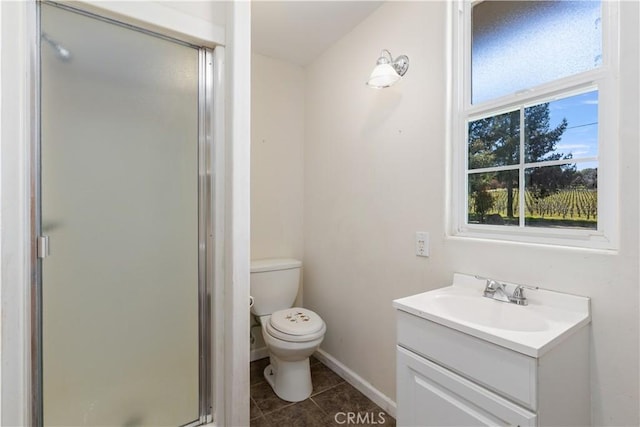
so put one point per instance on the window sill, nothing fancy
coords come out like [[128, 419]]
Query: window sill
[[582, 240]]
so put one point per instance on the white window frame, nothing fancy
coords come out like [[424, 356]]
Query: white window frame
[[604, 79]]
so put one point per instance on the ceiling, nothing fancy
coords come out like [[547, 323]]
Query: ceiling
[[299, 31]]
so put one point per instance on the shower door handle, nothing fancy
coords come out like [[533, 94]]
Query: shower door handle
[[43, 247]]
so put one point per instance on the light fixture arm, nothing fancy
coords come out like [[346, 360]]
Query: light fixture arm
[[400, 64]]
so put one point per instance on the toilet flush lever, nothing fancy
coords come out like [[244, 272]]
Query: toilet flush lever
[[43, 247]]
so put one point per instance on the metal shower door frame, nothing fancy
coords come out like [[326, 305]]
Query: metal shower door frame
[[205, 216]]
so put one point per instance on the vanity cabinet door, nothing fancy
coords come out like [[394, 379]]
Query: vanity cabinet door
[[430, 395]]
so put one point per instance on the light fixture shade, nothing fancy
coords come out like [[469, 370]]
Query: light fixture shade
[[383, 75], [388, 70]]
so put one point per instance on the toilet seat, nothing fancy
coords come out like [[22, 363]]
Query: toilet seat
[[295, 325]]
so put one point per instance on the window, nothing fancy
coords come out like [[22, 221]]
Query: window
[[534, 141]]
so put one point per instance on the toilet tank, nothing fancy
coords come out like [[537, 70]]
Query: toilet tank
[[274, 284]]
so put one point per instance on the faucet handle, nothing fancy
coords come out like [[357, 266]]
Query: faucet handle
[[491, 287], [518, 296]]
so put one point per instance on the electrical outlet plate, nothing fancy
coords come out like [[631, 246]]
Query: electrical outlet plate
[[422, 243]]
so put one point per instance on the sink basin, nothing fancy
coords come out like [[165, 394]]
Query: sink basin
[[490, 313], [531, 329]]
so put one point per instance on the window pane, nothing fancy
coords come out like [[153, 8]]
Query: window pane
[[562, 196], [520, 44], [562, 129], [494, 141], [493, 198]]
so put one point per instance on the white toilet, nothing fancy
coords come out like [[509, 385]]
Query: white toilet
[[292, 334]]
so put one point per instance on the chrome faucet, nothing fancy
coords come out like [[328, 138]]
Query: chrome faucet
[[498, 291], [517, 297]]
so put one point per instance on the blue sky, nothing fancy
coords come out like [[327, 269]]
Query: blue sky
[[581, 136]]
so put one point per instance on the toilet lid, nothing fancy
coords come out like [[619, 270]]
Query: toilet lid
[[296, 321]]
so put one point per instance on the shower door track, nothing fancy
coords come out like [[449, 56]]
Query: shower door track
[[205, 226]]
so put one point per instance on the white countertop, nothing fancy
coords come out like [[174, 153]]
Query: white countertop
[[534, 329]]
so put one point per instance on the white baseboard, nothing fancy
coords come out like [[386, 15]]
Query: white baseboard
[[363, 386], [258, 353]]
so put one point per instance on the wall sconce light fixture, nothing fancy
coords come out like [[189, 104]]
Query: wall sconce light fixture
[[388, 70]]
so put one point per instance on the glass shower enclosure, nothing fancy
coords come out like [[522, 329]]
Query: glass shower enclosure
[[123, 202]]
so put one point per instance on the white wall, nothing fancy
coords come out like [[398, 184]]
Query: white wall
[[237, 126], [375, 173], [277, 134], [13, 211], [199, 22]]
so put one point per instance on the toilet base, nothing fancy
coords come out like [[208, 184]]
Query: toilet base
[[291, 381]]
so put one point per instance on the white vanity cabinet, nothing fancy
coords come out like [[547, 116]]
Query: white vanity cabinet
[[450, 374], [435, 396]]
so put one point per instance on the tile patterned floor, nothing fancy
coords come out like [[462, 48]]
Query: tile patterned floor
[[332, 401]]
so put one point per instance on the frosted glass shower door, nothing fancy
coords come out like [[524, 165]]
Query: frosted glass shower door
[[119, 202]]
